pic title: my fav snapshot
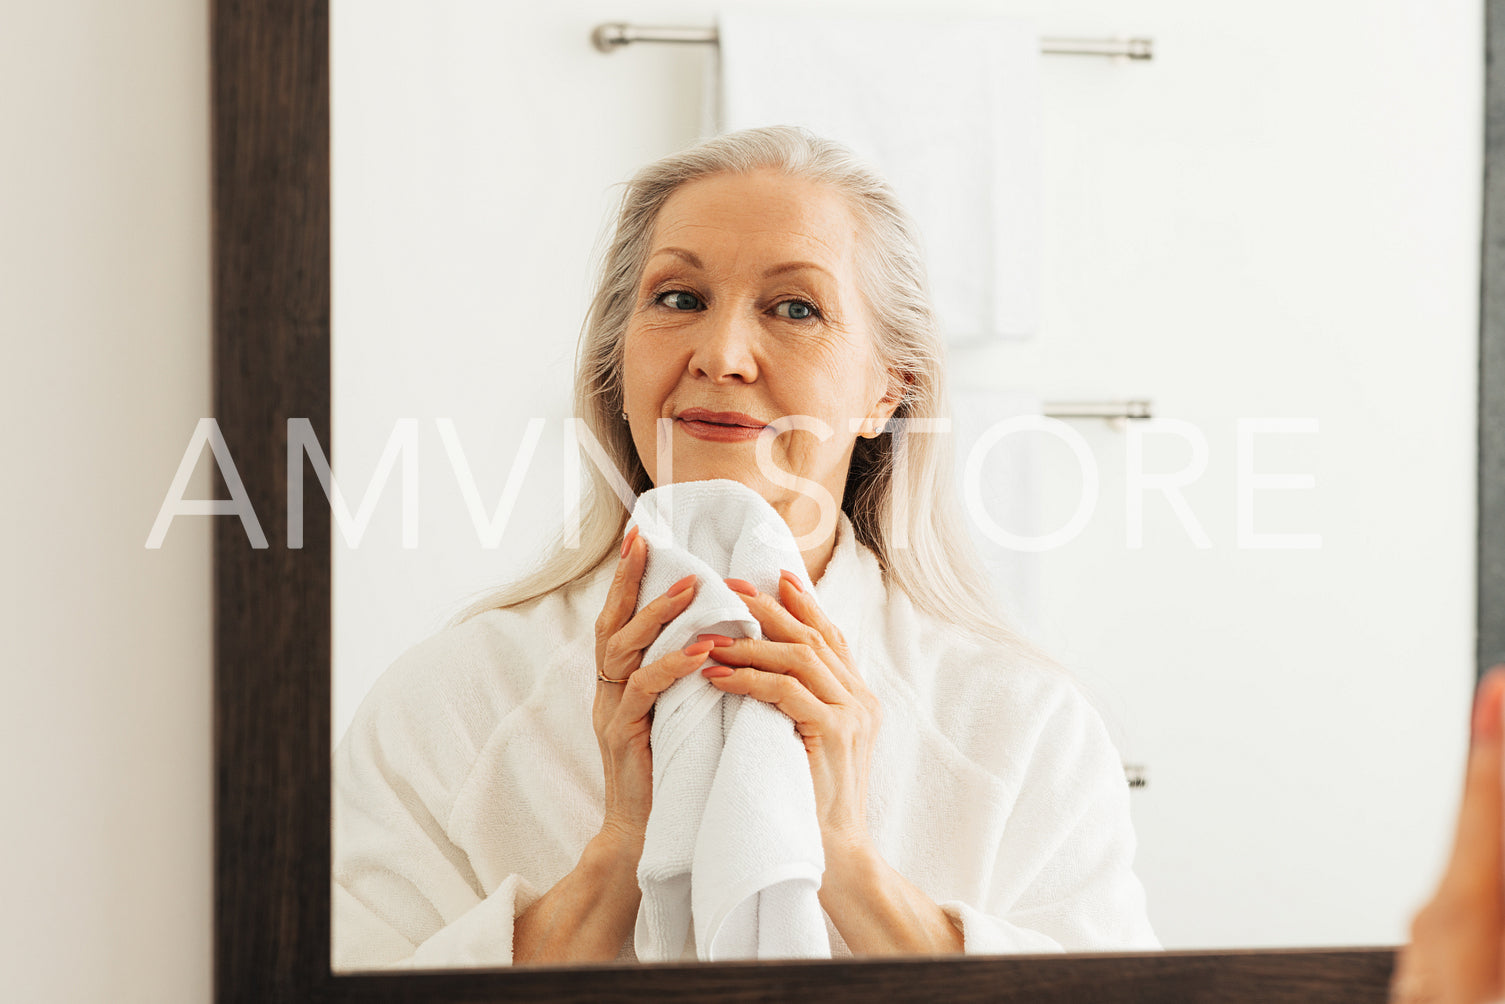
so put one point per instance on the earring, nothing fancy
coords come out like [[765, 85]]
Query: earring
[[624, 414]]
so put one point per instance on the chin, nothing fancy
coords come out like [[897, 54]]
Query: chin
[[755, 483]]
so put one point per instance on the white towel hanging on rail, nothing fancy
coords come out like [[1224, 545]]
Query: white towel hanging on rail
[[947, 109]]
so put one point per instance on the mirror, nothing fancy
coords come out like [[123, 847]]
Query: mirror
[[1270, 232], [273, 689]]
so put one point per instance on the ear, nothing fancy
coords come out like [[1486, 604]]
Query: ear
[[883, 410]]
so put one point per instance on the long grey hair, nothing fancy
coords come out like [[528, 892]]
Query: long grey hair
[[921, 544]]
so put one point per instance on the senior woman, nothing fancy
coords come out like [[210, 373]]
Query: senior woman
[[493, 793]]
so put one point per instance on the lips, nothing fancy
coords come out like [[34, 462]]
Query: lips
[[719, 426], [734, 419]]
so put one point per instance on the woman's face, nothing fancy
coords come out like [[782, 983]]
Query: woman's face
[[749, 312]]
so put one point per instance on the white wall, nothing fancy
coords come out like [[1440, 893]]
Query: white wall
[[1276, 218], [105, 722]]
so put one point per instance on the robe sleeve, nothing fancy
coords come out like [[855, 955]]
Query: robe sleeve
[[404, 895], [1063, 879]]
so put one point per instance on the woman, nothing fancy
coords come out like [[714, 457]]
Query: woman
[[492, 794]]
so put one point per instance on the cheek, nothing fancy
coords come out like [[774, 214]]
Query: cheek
[[824, 393], [648, 372], [830, 387], [636, 373]]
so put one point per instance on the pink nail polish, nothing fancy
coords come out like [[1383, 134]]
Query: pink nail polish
[[792, 579], [627, 541], [716, 672], [741, 586], [716, 640], [699, 648], [682, 585]]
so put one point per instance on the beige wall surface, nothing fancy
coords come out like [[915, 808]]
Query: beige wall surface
[[105, 719]]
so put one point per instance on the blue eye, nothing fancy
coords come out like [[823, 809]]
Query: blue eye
[[798, 310], [678, 299]]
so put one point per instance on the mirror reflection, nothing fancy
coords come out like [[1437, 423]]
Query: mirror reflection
[[800, 602]]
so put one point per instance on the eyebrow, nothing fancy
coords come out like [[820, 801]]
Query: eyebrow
[[788, 266], [688, 256], [796, 266]]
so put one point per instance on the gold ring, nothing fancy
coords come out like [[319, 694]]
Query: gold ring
[[606, 679]]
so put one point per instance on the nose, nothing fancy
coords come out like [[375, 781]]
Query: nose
[[724, 345]]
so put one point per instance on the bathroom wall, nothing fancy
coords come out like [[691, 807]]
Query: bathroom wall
[[1275, 219], [105, 722]]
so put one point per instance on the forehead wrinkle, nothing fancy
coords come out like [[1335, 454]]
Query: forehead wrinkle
[[831, 262], [675, 226], [760, 194]]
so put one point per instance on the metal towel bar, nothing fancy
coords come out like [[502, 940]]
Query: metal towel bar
[[611, 37], [1137, 409]]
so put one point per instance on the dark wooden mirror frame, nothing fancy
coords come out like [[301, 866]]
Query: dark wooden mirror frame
[[271, 274]]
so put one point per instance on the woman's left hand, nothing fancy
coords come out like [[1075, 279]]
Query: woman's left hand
[[802, 666]]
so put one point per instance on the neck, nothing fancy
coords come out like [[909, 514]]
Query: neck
[[803, 516], [817, 558]]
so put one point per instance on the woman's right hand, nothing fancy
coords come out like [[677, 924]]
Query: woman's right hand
[[590, 912], [623, 712]]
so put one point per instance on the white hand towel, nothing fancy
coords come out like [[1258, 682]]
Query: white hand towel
[[733, 843], [1007, 492], [947, 109]]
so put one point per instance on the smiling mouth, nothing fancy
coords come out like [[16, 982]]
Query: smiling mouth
[[719, 426], [725, 419]]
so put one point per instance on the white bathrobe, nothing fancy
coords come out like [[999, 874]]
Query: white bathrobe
[[470, 782]]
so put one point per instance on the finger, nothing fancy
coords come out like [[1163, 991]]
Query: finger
[[1408, 984], [634, 637], [802, 604], [836, 653], [812, 716], [1456, 938], [1475, 866], [622, 595], [780, 624], [798, 661], [647, 682]]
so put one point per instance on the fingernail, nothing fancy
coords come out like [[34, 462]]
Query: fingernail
[[715, 672], [717, 640], [792, 579], [682, 585], [627, 541], [699, 648], [740, 586], [1487, 709]]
